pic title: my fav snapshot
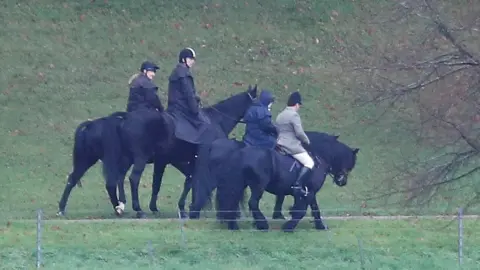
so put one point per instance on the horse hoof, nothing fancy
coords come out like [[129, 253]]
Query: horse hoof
[[120, 209], [153, 207], [194, 215], [60, 213], [233, 227], [141, 215], [183, 215], [278, 216], [287, 227], [321, 227], [262, 226]]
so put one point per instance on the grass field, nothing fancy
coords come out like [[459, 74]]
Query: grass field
[[105, 244], [65, 63]]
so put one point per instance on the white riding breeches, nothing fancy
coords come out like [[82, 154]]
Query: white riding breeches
[[305, 159]]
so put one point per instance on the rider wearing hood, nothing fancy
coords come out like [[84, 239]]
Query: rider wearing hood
[[259, 129]]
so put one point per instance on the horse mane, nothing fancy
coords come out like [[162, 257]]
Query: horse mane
[[328, 147], [228, 112], [228, 104]]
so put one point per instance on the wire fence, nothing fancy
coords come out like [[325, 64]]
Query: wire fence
[[188, 237]]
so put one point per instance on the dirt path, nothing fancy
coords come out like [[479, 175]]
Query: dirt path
[[449, 217]]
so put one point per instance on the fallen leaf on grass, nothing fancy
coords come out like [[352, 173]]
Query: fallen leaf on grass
[[238, 84], [17, 132], [177, 26], [55, 228]]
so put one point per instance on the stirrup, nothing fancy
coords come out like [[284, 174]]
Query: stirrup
[[303, 189], [306, 192]]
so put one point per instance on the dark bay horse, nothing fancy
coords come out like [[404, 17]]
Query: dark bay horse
[[87, 150], [210, 158], [138, 141], [269, 170]]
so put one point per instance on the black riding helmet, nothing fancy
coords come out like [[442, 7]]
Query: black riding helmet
[[149, 66], [186, 53]]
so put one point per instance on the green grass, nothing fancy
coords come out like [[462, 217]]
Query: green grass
[[65, 63], [160, 245]]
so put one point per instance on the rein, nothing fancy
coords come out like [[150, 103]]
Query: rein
[[228, 116], [320, 161]]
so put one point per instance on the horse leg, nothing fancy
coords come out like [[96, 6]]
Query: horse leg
[[72, 180], [253, 204], [121, 187], [277, 209], [298, 211], [186, 168], [112, 194], [158, 170], [138, 168], [316, 215], [187, 186]]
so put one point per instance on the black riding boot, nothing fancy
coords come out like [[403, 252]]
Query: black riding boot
[[299, 186]]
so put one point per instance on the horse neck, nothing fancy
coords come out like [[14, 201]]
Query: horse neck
[[229, 112], [328, 153]]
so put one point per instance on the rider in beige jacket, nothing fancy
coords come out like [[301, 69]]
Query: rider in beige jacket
[[290, 138]]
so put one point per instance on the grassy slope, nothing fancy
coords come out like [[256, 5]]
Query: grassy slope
[[159, 245], [66, 63]]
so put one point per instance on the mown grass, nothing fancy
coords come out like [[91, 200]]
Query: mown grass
[[410, 244], [65, 63]]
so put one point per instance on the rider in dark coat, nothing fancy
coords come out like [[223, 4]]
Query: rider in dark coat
[[143, 91], [259, 129], [183, 101]]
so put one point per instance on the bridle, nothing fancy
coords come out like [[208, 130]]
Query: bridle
[[329, 169]]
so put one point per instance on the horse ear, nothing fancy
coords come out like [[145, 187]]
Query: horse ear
[[336, 137], [355, 151]]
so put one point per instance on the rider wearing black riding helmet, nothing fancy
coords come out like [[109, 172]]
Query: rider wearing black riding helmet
[[143, 91], [182, 96]]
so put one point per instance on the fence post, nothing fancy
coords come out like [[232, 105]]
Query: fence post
[[39, 238], [150, 253], [182, 233], [360, 247], [460, 237]]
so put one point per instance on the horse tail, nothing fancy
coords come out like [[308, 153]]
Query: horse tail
[[81, 148], [112, 147], [203, 182]]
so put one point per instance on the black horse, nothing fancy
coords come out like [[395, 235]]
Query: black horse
[[134, 139], [210, 158], [87, 150], [275, 172]]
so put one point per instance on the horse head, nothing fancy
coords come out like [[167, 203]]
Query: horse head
[[344, 165], [340, 157]]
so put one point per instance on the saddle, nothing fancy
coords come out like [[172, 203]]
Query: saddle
[[287, 158]]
